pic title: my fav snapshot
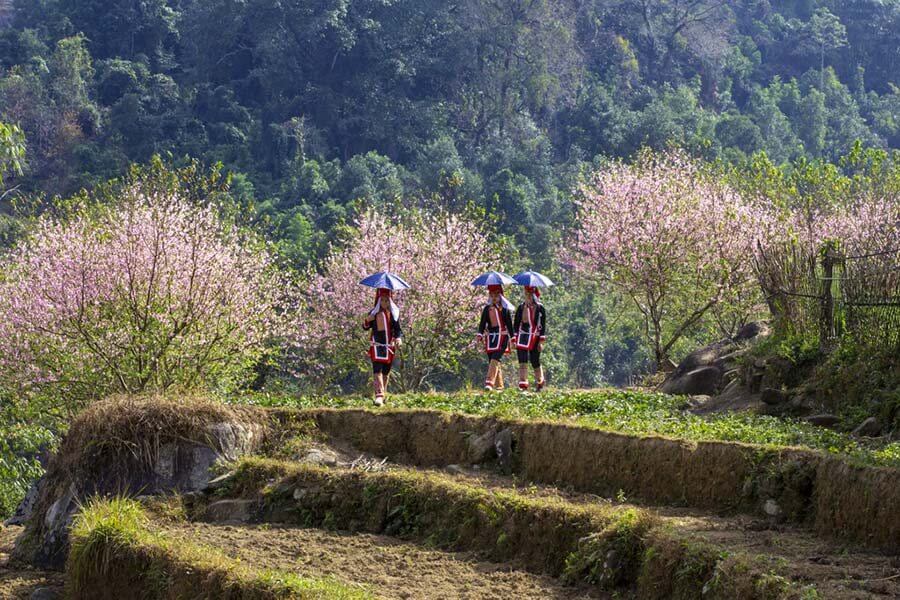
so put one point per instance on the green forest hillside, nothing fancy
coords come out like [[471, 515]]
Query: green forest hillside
[[317, 104]]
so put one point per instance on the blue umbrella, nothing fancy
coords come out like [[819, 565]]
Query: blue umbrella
[[494, 278], [383, 279], [532, 279]]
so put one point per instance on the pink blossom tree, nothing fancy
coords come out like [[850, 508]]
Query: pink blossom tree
[[150, 293], [673, 240], [438, 254]]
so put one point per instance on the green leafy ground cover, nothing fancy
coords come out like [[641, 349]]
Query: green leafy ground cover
[[20, 444], [632, 412]]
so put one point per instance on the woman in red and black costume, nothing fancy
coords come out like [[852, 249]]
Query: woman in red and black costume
[[386, 337], [530, 326], [494, 330]]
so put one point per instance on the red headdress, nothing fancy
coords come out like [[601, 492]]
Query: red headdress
[[536, 291], [385, 295], [496, 288]]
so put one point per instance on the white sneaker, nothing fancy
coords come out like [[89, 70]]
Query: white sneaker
[[379, 401]]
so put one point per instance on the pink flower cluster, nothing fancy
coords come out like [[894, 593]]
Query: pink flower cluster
[[678, 241], [661, 219], [438, 255], [671, 238], [151, 293], [869, 223]]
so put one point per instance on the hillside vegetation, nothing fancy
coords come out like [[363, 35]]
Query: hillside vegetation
[[190, 192], [315, 105]]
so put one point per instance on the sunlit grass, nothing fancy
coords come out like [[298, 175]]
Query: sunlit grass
[[110, 535]]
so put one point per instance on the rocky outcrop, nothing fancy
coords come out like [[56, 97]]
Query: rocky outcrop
[[230, 511], [25, 508], [710, 370], [166, 450], [868, 428]]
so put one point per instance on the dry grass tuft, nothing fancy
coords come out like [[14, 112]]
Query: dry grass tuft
[[111, 448], [131, 429]]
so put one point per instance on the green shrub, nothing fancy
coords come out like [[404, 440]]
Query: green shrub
[[20, 444]]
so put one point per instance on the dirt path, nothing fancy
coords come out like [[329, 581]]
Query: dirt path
[[388, 567], [839, 572], [21, 583]]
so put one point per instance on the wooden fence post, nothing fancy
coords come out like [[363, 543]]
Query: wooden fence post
[[826, 331]]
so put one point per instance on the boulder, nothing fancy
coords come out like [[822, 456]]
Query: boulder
[[704, 370], [320, 456], [734, 397], [824, 420], [45, 593], [480, 448], [230, 511], [868, 428], [773, 396], [166, 463], [701, 381], [703, 357], [731, 360], [799, 404], [731, 375]]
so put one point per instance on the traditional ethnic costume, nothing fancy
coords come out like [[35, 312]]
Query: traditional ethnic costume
[[494, 330], [530, 325], [384, 322]]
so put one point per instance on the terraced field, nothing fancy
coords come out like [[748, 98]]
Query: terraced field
[[385, 565], [421, 504], [314, 487]]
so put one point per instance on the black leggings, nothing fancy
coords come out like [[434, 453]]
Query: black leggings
[[383, 368], [533, 355]]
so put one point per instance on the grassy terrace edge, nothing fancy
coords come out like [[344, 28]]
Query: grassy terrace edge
[[837, 498], [612, 547], [632, 412], [115, 554]]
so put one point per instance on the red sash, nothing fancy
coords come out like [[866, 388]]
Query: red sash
[[527, 340], [382, 353]]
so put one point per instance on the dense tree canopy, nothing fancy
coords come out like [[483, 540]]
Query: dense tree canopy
[[501, 98]]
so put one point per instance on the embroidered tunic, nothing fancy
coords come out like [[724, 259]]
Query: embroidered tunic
[[385, 329], [530, 325], [495, 319]]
